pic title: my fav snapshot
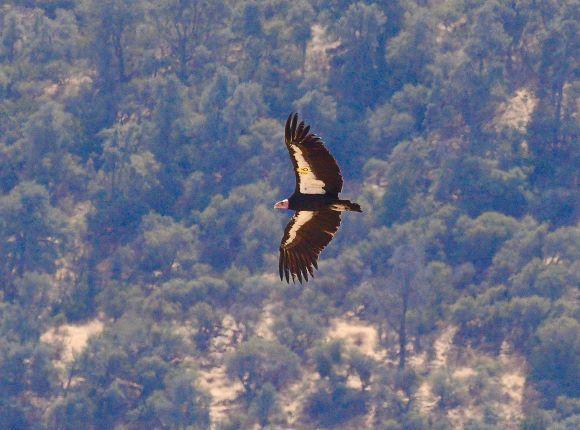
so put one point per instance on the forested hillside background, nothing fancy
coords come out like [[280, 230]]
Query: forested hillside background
[[141, 152]]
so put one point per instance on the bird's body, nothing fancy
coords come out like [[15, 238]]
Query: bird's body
[[315, 201]]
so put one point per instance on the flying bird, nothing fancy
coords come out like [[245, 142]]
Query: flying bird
[[315, 202]]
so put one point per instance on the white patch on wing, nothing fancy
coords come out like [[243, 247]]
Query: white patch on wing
[[309, 183], [301, 218], [339, 207]]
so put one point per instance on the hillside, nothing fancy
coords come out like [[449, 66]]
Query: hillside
[[141, 152]]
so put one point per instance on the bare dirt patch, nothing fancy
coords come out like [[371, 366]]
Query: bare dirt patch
[[72, 338], [517, 112], [357, 335], [480, 375], [317, 60], [223, 391]]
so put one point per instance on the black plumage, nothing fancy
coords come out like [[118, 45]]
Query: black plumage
[[315, 201]]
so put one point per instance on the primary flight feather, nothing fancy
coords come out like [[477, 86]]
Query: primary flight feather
[[315, 202]]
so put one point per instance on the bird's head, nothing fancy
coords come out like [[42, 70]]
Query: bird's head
[[283, 204]]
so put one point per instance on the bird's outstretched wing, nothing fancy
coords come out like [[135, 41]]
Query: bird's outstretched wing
[[306, 235], [315, 168]]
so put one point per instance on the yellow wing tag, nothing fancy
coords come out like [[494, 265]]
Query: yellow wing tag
[[303, 170]]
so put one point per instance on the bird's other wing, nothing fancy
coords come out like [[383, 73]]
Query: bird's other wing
[[316, 169], [306, 235]]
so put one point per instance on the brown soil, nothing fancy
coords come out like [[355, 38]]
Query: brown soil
[[72, 337]]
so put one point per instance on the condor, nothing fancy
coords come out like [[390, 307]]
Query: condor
[[315, 202]]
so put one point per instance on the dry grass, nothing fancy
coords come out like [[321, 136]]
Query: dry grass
[[223, 391], [212, 376], [72, 338], [317, 62], [506, 381], [517, 112], [357, 335], [69, 87]]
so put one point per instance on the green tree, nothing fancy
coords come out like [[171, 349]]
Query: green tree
[[403, 180], [398, 296], [125, 187], [264, 405], [410, 52], [173, 137], [208, 323], [181, 405], [258, 361], [554, 360], [478, 239], [407, 277], [480, 185], [233, 223], [552, 129], [334, 401], [358, 66], [32, 232], [111, 26], [47, 149], [71, 412], [214, 98], [162, 248], [185, 26], [244, 107], [298, 330], [11, 33]]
